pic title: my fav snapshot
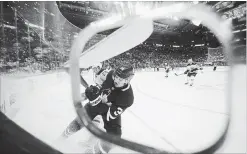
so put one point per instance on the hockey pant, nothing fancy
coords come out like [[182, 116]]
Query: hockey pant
[[190, 78]]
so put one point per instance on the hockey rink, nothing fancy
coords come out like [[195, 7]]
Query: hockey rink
[[166, 114]]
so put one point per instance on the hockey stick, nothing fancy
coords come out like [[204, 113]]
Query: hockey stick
[[83, 81], [116, 43], [178, 74], [117, 40]]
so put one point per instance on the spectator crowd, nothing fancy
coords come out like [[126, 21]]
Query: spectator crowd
[[30, 45], [152, 56]]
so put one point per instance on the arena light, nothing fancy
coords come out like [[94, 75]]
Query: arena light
[[195, 2], [236, 31], [196, 22], [175, 18], [165, 11], [108, 21], [9, 26], [199, 45], [34, 26], [140, 8]]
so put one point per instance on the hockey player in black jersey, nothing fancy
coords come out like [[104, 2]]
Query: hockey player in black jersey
[[110, 100], [215, 66]]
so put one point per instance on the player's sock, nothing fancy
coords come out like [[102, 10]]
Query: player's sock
[[97, 149], [89, 145], [191, 82], [73, 127], [88, 148], [188, 79], [102, 147]]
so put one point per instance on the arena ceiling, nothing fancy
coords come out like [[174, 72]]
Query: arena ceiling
[[166, 31]]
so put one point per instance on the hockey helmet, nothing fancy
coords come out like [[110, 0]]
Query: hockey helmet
[[124, 72]]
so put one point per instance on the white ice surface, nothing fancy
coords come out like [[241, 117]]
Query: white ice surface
[[166, 113]]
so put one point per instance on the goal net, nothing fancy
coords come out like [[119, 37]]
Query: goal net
[[216, 55]]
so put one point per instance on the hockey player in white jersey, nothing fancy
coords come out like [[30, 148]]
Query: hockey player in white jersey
[[167, 70], [95, 75], [191, 72], [201, 68], [99, 74]]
